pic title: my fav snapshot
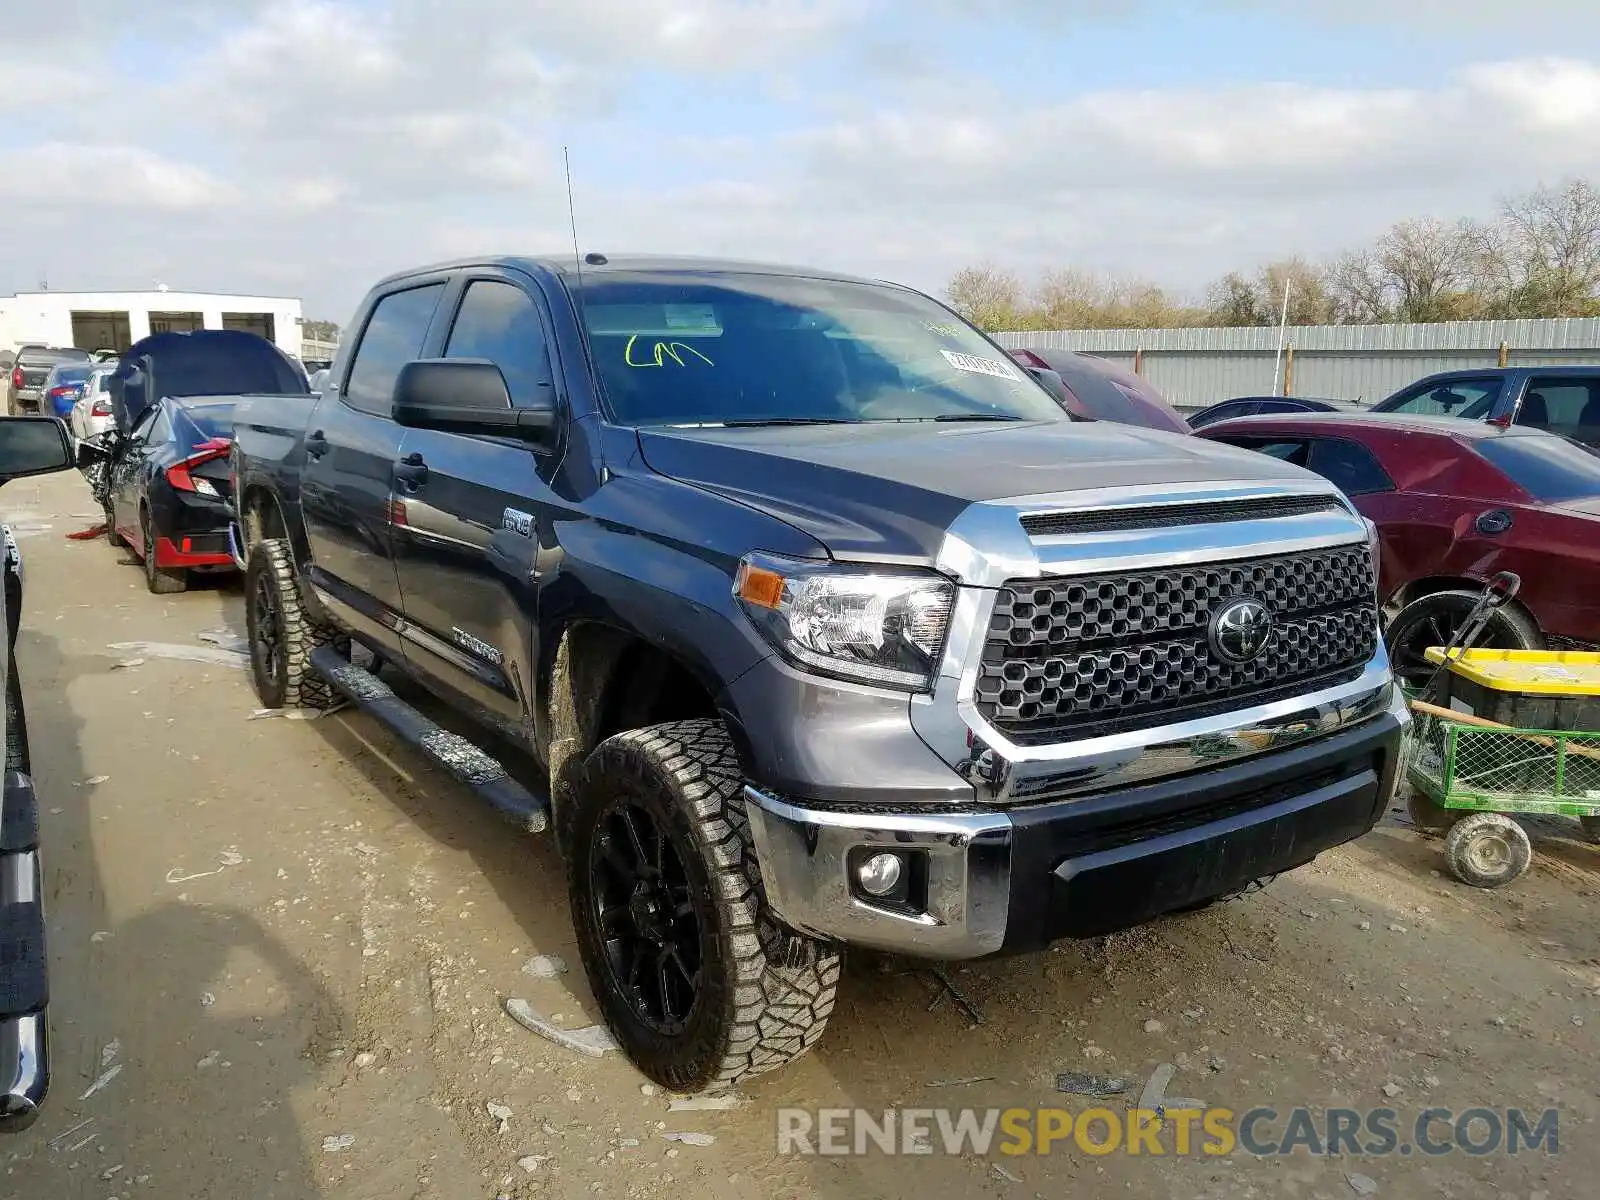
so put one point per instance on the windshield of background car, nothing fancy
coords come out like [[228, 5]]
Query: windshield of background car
[[689, 349], [1550, 468], [1472, 399], [65, 375]]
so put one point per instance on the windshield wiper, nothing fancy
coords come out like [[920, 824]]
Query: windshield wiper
[[752, 422], [972, 417]]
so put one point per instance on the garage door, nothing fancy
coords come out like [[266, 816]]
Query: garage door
[[100, 331], [260, 324]]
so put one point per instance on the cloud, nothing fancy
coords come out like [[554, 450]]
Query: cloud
[[312, 145]]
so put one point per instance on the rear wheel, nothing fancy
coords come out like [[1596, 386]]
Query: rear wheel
[[281, 634], [112, 535], [1433, 620], [699, 981], [162, 581]]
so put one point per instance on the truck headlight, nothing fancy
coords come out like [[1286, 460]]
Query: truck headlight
[[850, 622]]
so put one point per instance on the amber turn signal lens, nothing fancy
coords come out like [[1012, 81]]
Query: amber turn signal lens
[[759, 586]]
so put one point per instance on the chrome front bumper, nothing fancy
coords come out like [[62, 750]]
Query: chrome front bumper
[[983, 868]]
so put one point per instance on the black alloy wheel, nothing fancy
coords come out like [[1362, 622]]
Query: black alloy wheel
[[266, 627], [1433, 620], [646, 913]]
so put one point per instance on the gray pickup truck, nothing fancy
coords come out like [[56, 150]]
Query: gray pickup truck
[[822, 621]]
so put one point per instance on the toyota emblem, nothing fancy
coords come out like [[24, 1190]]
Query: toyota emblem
[[1239, 631]]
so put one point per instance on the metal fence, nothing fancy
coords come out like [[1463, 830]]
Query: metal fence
[[1363, 363]]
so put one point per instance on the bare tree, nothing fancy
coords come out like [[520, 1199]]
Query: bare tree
[[1552, 244], [1541, 258], [988, 296], [1310, 302], [1235, 300]]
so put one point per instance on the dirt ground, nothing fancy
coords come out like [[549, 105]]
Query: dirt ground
[[281, 949]]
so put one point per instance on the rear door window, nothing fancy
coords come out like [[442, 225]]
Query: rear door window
[[1349, 466], [1472, 399], [1568, 405], [393, 337]]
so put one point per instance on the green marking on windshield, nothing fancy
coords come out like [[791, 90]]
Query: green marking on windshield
[[661, 352]]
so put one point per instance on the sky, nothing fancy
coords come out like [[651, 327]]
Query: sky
[[307, 147]]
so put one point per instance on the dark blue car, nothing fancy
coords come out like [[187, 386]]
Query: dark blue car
[[1564, 400]]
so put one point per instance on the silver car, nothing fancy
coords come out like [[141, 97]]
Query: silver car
[[91, 415]]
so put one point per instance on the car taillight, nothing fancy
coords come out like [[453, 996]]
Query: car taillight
[[100, 408], [60, 393], [16, 378], [180, 475]]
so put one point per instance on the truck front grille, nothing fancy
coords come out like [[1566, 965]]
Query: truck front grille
[[1075, 657]]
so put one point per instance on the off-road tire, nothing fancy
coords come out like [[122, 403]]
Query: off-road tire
[[1428, 815], [161, 581], [294, 683], [1464, 846], [766, 991]]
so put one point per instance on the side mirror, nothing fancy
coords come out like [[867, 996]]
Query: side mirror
[[468, 396], [34, 446]]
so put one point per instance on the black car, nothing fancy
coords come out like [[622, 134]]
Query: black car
[[168, 490], [25, 385], [28, 446], [166, 486], [1564, 400], [1254, 406]]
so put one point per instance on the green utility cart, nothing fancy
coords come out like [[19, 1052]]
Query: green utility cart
[[1500, 732]]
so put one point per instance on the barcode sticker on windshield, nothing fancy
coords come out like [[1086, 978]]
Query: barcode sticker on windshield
[[981, 366]]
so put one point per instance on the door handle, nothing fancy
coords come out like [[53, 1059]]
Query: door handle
[[411, 471], [316, 444]]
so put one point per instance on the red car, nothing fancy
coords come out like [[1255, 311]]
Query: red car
[[1103, 391], [1454, 502]]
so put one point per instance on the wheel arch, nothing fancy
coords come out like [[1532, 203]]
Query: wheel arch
[[600, 679]]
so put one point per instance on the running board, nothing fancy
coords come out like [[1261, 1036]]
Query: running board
[[24, 979], [450, 751]]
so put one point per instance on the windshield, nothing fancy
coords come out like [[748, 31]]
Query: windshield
[[690, 349], [1551, 468], [1472, 399], [70, 374]]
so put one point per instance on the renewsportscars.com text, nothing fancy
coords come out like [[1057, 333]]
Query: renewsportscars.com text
[[1210, 1132]]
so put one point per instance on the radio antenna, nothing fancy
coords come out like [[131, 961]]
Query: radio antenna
[[572, 216]]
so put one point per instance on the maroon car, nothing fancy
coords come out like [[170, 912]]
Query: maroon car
[[1103, 391], [1454, 502]]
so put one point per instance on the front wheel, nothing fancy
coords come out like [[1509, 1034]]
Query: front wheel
[[699, 981]]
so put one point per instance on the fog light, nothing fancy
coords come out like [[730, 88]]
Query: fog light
[[880, 874]]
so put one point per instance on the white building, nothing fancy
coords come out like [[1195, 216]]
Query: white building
[[116, 320]]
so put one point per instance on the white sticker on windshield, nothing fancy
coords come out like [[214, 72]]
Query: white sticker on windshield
[[696, 318], [982, 366]]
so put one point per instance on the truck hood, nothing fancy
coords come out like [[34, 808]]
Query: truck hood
[[890, 490]]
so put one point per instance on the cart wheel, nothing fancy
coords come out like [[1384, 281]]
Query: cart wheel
[[1487, 850], [1428, 815], [1591, 828]]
